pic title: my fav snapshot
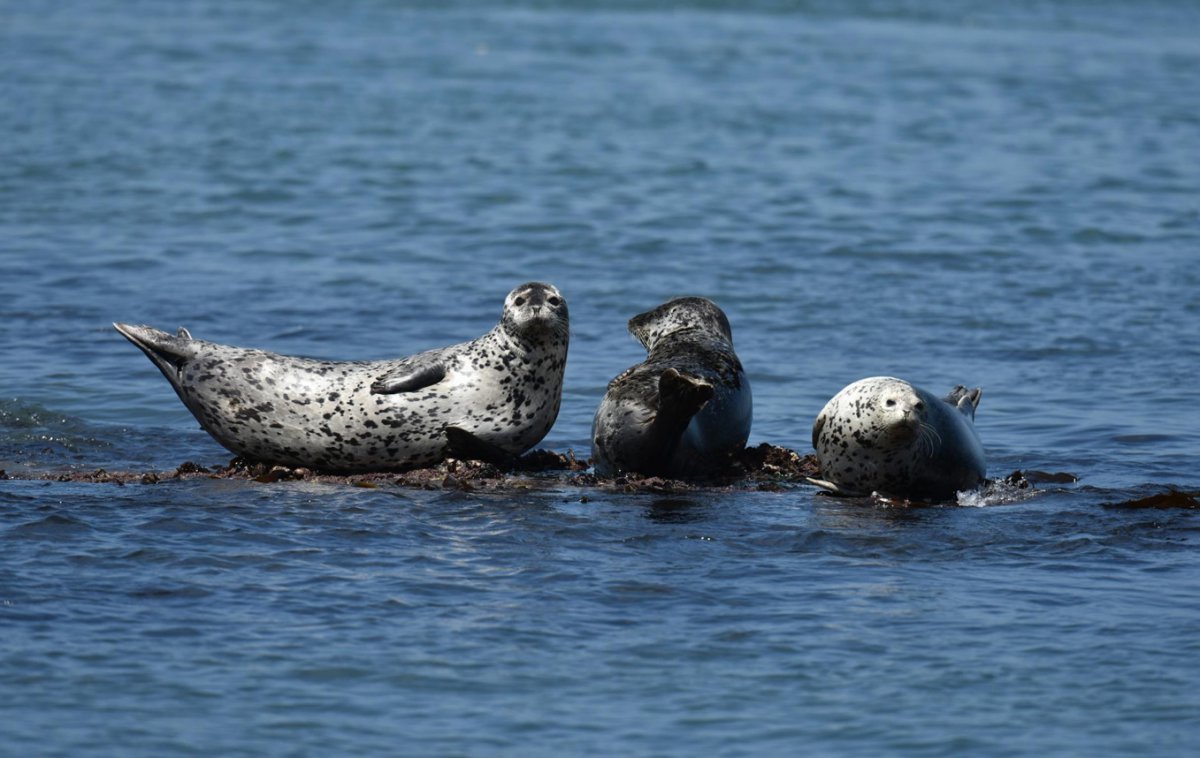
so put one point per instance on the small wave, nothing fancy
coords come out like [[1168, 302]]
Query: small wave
[[24, 424], [34, 437], [54, 526], [17, 414], [1013, 488], [1096, 235]]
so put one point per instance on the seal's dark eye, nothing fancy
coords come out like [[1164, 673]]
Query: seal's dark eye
[[891, 403], [519, 301], [919, 406], [554, 301]]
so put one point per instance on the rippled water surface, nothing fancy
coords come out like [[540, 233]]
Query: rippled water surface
[[998, 195]]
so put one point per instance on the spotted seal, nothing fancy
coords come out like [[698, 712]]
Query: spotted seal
[[884, 435], [686, 407], [495, 396]]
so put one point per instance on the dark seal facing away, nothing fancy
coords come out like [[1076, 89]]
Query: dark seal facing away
[[684, 410], [492, 398]]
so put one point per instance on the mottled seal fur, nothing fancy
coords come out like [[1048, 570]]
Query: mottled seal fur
[[686, 408], [884, 435], [496, 396]]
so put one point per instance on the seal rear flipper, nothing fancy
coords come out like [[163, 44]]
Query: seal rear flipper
[[830, 487], [462, 444], [409, 379], [168, 351], [965, 400]]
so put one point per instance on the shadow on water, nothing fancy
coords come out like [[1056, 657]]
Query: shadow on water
[[674, 510]]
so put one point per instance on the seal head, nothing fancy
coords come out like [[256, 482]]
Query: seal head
[[535, 312], [884, 435], [686, 408]]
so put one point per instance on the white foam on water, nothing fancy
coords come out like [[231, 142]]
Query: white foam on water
[[995, 492]]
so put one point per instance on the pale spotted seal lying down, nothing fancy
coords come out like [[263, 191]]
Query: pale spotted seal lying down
[[494, 397], [686, 408], [883, 435]]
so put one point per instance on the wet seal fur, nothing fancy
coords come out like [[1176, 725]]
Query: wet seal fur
[[883, 435], [685, 409], [491, 398]]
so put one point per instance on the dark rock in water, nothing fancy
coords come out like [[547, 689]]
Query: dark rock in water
[[547, 460], [1020, 479], [1050, 477], [767, 460], [1172, 498], [764, 468], [100, 476]]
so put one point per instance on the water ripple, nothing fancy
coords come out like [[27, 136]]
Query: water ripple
[[997, 195]]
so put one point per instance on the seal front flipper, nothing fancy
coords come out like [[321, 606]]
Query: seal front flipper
[[409, 378], [462, 444], [680, 396]]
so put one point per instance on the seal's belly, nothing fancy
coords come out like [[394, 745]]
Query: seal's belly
[[325, 415], [934, 465], [723, 424]]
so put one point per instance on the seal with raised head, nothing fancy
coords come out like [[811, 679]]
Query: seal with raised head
[[686, 408], [883, 435], [495, 397]]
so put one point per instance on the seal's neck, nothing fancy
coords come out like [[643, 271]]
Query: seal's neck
[[683, 335], [529, 342]]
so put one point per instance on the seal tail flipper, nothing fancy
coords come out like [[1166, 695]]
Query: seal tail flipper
[[965, 400], [168, 352]]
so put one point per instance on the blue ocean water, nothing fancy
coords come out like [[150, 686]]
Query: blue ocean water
[[1001, 195]]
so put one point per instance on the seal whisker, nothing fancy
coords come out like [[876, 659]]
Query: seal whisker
[[930, 437]]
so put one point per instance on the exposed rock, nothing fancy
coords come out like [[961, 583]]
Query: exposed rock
[[764, 467]]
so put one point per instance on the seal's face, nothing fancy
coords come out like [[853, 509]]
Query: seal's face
[[680, 315], [534, 309], [901, 411]]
